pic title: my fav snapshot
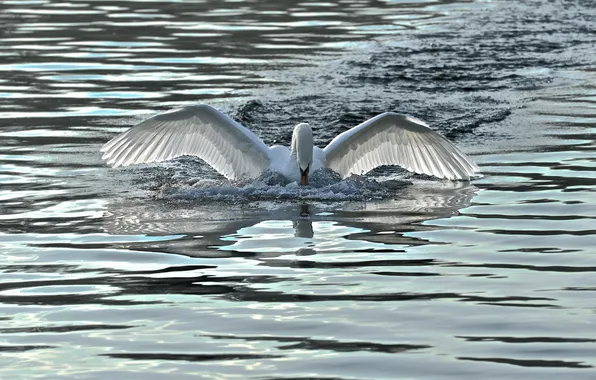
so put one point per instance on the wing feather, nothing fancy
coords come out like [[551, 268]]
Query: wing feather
[[431, 159], [393, 139], [419, 160], [201, 131]]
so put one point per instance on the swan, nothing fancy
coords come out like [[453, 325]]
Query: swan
[[237, 153]]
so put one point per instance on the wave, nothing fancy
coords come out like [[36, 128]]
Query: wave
[[179, 181]]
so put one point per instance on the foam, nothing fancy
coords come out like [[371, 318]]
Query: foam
[[325, 185]]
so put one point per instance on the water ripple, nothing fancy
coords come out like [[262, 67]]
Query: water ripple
[[171, 270]]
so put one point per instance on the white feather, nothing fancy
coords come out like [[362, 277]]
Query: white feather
[[201, 131], [302, 145], [236, 152], [393, 139]]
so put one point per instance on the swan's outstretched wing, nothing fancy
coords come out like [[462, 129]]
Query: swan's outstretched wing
[[393, 139], [198, 130]]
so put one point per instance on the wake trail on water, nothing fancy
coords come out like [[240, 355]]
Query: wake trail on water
[[189, 181], [325, 185]]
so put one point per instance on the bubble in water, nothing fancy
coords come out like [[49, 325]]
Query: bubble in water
[[325, 185]]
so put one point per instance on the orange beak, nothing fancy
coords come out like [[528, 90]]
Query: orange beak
[[304, 176]]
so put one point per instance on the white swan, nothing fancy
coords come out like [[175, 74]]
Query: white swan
[[236, 152]]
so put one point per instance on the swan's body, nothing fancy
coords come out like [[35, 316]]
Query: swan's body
[[236, 152]]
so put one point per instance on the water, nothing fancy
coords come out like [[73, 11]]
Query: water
[[170, 270]]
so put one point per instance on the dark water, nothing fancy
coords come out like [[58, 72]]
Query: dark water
[[168, 270]]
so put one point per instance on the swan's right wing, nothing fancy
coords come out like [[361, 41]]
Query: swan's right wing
[[199, 130], [393, 139]]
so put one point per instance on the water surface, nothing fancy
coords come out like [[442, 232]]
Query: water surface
[[168, 269]]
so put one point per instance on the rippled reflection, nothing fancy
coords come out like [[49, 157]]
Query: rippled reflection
[[234, 229], [169, 270]]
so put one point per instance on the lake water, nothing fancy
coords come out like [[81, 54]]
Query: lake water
[[169, 270]]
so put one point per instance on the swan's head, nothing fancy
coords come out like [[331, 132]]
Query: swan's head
[[302, 148]]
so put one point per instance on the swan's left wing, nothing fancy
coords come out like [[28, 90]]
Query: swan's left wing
[[393, 139], [200, 130]]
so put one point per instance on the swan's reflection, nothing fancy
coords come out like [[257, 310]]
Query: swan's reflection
[[271, 229], [303, 225]]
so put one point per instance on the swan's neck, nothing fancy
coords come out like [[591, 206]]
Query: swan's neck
[[302, 150]]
